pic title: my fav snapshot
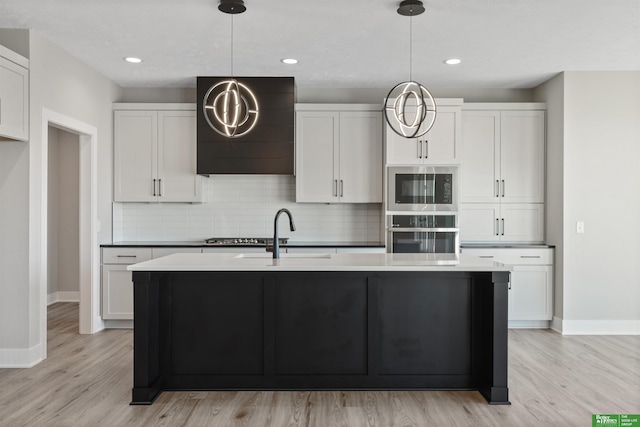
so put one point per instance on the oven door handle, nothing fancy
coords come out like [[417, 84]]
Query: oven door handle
[[425, 230]]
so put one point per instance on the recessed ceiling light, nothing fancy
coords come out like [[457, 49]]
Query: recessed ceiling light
[[133, 59], [289, 61], [452, 61]]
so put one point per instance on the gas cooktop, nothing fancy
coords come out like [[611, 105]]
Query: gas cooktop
[[244, 241]]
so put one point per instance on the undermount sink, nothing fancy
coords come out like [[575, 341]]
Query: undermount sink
[[270, 255]]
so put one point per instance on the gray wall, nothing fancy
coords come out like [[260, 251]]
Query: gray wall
[[594, 176], [64, 85], [63, 258], [552, 92]]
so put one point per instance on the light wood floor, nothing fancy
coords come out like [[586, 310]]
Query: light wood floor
[[553, 380]]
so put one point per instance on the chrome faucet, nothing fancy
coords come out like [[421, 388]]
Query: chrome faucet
[[276, 240]]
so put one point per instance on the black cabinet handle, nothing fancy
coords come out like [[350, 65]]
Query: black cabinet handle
[[127, 256], [426, 149], [341, 188], [497, 227], [503, 226], [503, 188], [497, 188], [335, 188], [160, 188], [154, 187]]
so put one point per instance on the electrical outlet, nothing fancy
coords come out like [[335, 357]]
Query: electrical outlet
[[580, 227]]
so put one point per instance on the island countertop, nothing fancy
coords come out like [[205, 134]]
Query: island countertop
[[318, 262]]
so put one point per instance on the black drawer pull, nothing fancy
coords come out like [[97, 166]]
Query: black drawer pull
[[127, 256], [529, 256]]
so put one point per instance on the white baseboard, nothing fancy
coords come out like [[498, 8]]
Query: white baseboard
[[63, 297], [597, 327], [118, 324], [528, 324], [556, 324], [20, 357]]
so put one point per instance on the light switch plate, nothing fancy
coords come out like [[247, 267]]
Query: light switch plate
[[580, 227]]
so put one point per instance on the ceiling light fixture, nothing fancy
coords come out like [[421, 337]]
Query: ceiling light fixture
[[289, 61], [452, 61], [133, 59], [409, 108], [230, 107]]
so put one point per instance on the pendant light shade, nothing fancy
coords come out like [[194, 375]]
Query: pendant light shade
[[410, 109], [229, 106]]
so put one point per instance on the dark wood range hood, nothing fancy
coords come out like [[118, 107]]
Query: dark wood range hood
[[268, 148]]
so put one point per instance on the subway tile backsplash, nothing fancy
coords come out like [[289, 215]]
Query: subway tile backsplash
[[244, 206]]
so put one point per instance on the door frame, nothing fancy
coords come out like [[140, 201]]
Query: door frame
[[89, 272]]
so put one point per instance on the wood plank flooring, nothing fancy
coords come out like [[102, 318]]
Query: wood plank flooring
[[553, 380]]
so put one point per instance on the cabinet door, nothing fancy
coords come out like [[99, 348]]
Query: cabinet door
[[317, 134], [117, 292], [522, 136], [480, 158], [14, 100], [135, 156], [441, 142], [523, 222], [360, 163], [402, 151], [479, 222], [178, 181], [530, 296]]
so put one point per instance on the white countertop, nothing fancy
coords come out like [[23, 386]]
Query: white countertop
[[318, 262]]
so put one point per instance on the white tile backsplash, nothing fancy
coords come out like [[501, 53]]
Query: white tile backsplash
[[244, 206]]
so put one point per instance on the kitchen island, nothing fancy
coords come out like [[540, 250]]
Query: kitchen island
[[320, 321]]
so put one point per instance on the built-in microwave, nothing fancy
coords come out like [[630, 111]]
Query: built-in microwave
[[436, 234], [422, 188]]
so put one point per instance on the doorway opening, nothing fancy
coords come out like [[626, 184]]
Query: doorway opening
[[78, 140], [63, 217]]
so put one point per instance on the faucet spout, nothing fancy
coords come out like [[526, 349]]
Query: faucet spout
[[276, 240]]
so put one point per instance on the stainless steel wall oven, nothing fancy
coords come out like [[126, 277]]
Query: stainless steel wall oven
[[423, 234]]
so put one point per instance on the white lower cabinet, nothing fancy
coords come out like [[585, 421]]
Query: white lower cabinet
[[117, 284], [531, 285]]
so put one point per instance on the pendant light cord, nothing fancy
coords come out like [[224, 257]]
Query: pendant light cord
[[231, 45], [411, 48]]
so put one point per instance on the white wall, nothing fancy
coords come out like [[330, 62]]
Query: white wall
[[64, 85], [599, 162]]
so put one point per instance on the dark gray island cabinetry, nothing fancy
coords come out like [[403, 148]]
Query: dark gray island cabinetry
[[350, 322]]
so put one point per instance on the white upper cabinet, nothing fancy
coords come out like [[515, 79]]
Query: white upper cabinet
[[14, 96], [506, 222], [338, 153], [155, 156], [502, 173], [503, 156], [438, 146]]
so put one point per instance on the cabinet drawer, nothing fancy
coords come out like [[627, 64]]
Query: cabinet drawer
[[125, 255], [514, 256]]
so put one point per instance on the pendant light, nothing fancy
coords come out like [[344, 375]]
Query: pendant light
[[230, 107], [409, 108]]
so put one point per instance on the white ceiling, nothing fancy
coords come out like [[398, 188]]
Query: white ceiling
[[339, 43]]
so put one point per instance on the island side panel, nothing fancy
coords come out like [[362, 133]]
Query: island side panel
[[492, 293], [147, 381]]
